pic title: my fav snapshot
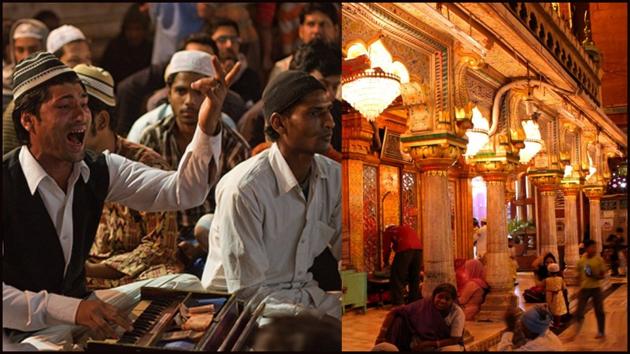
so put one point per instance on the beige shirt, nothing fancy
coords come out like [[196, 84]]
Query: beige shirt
[[269, 234]]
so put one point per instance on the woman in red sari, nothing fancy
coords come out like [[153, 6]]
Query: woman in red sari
[[428, 324]]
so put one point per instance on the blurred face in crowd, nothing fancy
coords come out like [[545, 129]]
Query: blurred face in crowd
[[443, 301], [184, 100], [228, 42], [59, 133], [317, 25], [23, 47], [135, 34], [331, 82], [308, 127], [75, 53]]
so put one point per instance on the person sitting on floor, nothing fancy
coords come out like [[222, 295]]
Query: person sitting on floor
[[474, 291], [537, 292], [534, 325], [428, 324]]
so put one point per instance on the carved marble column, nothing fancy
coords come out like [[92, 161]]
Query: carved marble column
[[571, 239], [497, 257], [594, 194], [433, 162], [548, 238]]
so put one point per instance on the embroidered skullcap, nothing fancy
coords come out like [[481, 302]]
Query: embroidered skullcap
[[30, 28], [286, 89], [98, 83], [553, 268], [62, 36], [537, 319], [35, 70], [190, 61]]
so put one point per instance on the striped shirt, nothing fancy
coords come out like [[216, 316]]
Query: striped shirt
[[161, 138]]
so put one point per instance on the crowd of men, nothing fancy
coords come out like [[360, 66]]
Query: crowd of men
[[190, 161]]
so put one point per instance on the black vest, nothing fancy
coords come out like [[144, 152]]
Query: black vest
[[32, 254]]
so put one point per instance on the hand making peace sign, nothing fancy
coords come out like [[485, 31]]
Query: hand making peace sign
[[215, 89]]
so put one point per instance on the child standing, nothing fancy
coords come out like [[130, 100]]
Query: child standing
[[554, 285]]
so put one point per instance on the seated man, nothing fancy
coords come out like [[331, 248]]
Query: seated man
[[280, 209], [170, 137], [533, 330], [129, 245], [55, 194]]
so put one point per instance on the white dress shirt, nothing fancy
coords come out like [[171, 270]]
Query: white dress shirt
[[265, 235], [132, 184]]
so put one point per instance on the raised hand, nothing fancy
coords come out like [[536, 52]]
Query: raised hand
[[215, 89], [100, 317]]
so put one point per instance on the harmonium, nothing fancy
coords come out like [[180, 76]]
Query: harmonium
[[167, 319]]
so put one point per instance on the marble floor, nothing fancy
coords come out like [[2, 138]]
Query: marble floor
[[360, 330]]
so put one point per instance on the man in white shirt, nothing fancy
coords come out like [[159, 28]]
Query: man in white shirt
[[280, 209], [54, 193], [481, 239]]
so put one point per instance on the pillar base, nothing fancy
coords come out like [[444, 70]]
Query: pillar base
[[493, 309], [571, 276]]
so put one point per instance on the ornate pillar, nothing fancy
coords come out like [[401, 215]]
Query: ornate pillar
[[433, 162], [571, 239], [548, 184], [594, 193], [357, 137], [497, 257]]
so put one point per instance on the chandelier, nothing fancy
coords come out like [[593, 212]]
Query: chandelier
[[371, 90], [533, 140], [478, 134]]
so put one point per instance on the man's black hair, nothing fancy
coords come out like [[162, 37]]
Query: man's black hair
[[200, 38], [221, 22], [317, 55], [96, 106], [327, 8], [588, 243], [31, 102]]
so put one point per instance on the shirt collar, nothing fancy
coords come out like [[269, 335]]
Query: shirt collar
[[284, 176], [35, 173]]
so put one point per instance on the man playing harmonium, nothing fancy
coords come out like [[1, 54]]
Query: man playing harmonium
[[53, 195]]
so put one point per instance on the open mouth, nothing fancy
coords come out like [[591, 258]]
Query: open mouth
[[76, 136]]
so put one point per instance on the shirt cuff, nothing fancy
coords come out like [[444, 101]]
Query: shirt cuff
[[61, 309], [205, 143]]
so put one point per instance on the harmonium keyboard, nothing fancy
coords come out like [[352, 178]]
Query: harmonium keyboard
[[167, 319]]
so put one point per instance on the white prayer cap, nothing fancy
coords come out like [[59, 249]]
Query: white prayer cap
[[553, 268], [190, 61], [62, 36], [30, 29]]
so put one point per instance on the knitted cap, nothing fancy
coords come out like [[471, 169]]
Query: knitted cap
[[98, 83], [286, 89], [190, 61], [30, 29], [553, 268], [62, 36], [35, 70]]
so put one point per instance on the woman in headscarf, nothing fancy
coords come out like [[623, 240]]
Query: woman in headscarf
[[428, 324], [461, 277], [537, 292], [473, 293]]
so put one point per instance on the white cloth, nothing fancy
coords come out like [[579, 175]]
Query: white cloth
[[62, 36], [481, 236], [546, 342], [190, 61], [132, 184], [265, 235], [456, 320]]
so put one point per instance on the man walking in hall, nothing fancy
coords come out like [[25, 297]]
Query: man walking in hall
[[407, 262]]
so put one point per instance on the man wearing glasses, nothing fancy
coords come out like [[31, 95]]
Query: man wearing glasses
[[225, 34]]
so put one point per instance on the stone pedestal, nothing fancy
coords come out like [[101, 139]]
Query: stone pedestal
[[594, 194], [497, 258], [571, 239]]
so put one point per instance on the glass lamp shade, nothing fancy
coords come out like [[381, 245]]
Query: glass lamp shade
[[371, 92], [533, 141], [478, 134]]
